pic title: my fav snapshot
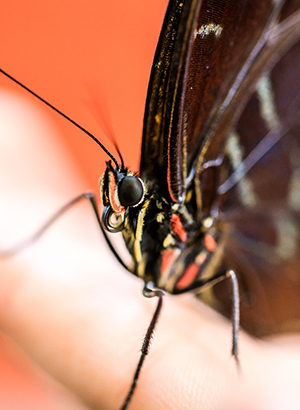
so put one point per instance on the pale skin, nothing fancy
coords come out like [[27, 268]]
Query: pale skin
[[82, 317]]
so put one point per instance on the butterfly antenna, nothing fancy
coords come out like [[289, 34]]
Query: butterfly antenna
[[97, 112], [66, 117], [119, 153]]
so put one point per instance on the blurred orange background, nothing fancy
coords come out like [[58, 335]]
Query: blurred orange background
[[91, 60], [74, 54]]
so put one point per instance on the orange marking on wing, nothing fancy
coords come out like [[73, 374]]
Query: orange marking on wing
[[188, 277], [210, 243], [178, 228]]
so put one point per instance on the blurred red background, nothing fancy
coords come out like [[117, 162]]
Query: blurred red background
[[77, 55]]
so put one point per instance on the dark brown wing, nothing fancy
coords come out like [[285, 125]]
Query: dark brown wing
[[202, 50], [261, 197], [225, 83], [162, 135]]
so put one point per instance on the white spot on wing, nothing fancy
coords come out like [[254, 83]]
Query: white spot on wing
[[294, 195], [287, 232], [245, 187], [267, 103], [206, 29]]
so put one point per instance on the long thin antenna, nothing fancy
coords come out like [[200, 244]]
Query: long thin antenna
[[63, 115]]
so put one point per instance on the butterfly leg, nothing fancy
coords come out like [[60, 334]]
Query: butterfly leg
[[235, 313], [148, 292], [201, 285], [36, 236], [235, 320]]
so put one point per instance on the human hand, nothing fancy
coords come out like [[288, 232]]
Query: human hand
[[77, 313]]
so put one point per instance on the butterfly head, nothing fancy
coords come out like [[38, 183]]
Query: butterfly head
[[120, 189]]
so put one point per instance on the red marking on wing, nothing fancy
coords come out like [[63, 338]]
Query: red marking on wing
[[167, 261], [188, 277], [178, 228], [210, 243]]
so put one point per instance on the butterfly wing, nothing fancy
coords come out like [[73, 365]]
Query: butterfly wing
[[202, 50], [262, 208], [213, 68]]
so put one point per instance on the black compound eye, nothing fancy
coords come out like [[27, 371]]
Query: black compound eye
[[131, 191]]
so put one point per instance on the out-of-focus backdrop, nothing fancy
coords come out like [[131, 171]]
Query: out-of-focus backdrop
[[91, 60]]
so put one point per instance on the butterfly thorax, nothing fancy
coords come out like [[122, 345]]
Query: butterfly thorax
[[169, 247]]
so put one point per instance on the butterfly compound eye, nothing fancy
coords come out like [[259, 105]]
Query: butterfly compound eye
[[131, 191]]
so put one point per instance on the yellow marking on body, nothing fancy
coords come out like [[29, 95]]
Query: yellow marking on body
[[139, 235], [168, 241], [267, 103], [101, 185], [141, 269], [188, 196], [159, 205], [160, 217], [175, 207], [245, 187], [206, 29]]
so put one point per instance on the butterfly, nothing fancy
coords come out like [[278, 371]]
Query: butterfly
[[217, 193], [220, 123]]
